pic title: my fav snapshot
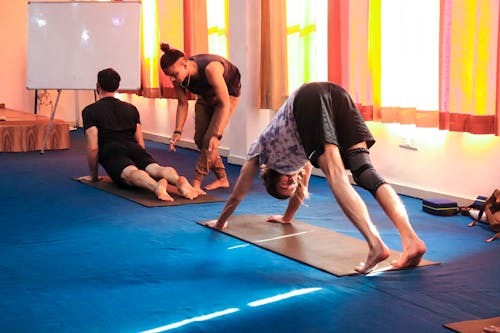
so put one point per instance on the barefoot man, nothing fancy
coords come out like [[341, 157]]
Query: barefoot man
[[216, 83], [319, 125], [114, 140]]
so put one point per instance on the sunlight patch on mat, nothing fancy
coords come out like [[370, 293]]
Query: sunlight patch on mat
[[191, 320], [284, 296], [267, 300]]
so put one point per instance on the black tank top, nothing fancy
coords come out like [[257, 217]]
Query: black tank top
[[200, 85]]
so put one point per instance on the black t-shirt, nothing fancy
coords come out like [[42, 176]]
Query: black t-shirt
[[116, 121]]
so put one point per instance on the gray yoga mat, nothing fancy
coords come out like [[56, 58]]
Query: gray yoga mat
[[145, 197], [318, 247]]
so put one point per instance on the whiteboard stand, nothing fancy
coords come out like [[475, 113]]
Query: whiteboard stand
[[51, 121]]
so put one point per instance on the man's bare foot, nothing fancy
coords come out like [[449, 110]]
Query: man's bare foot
[[412, 254], [214, 225], [223, 182], [161, 191], [277, 219], [185, 189], [377, 254], [197, 187]]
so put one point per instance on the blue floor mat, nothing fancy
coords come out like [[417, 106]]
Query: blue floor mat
[[74, 259]]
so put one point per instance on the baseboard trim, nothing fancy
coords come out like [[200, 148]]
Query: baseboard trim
[[188, 144], [399, 188]]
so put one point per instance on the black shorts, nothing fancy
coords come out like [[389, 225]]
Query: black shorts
[[116, 156], [325, 113]]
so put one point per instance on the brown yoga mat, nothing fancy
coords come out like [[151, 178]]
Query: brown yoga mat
[[145, 197], [473, 326], [321, 248]]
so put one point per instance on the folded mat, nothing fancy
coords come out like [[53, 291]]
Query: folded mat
[[321, 248], [145, 197], [473, 326]]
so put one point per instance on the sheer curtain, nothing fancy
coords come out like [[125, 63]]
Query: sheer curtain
[[426, 63], [307, 47]]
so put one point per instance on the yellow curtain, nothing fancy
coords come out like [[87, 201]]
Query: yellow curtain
[[180, 23], [470, 66], [149, 50], [273, 87]]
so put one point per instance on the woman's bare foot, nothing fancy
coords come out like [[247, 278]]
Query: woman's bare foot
[[222, 182], [185, 189], [161, 191], [412, 254], [377, 254], [213, 224]]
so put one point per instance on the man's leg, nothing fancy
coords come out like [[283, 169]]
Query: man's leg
[[203, 115], [353, 206], [215, 161], [365, 175], [140, 178], [157, 171], [413, 248]]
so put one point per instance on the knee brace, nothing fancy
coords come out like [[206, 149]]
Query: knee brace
[[363, 172]]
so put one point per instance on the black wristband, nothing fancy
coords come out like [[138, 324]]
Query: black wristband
[[178, 132], [219, 137]]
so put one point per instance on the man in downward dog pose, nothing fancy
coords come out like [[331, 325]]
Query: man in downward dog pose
[[320, 125]]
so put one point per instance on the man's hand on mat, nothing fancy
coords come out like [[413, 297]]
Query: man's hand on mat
[[214, 225], [491, 329], [277, 219], [91, 179]]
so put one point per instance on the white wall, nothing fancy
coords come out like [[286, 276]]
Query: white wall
[[458, 165]]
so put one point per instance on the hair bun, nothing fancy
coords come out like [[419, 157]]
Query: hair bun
[[164, 47]]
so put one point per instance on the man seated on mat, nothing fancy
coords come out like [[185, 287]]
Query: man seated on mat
[[320, 124], [114, 140]]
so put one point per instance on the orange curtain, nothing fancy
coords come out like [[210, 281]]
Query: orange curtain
[[470, 66], [180, 23], [273, 86], [354, 51]]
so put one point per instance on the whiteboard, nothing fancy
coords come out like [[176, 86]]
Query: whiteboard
[[69, 42]]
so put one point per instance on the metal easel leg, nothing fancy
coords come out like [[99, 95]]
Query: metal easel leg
[[49, 127]]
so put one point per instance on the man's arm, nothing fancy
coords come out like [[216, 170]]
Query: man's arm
[[181, 115], [215, 77], [222, 112], [295, 201], [243, 184], [138, 135], [92, 152]]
